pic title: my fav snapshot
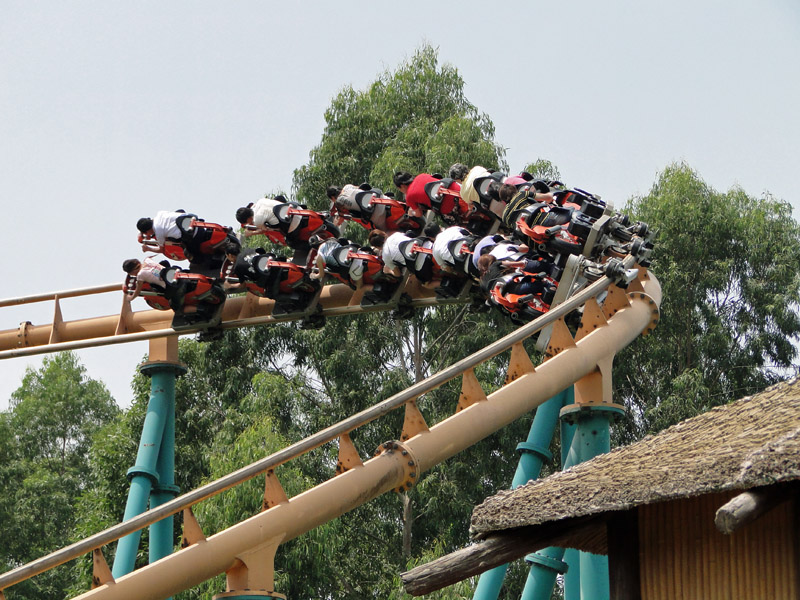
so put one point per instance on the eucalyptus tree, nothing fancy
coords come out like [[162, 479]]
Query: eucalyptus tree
[[45, 438], [416, 118], [728, 265]]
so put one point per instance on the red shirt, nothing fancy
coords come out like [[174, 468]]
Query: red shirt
[[416, 196]]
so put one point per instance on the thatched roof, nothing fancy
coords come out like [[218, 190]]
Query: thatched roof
[[749, 443]]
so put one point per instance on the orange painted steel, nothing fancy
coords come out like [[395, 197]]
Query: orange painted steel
[[239, 311], [390, 470], [287, 520]]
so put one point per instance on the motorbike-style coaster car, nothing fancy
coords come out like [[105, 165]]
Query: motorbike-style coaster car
[[287, 283], [298, 226], [458, 270], [445, 197], [349, 258], [562, 226], [523, 306], [196, 299], [419, 261], [388, 214], [417, 255], [484, 193], [548, 228], [198, 238]]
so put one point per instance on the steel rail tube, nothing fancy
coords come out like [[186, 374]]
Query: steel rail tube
[[270, 462], [332, 498], [549, 378], [87, 291], [334, 300]]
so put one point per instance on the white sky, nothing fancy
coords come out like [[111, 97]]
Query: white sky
[[112, 110]]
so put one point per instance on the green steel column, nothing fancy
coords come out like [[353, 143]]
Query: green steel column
[[161, 533], [570, 556], [144, 474], [548, 563], [593, 438], [545, 566], [533, 454], [572, 578]]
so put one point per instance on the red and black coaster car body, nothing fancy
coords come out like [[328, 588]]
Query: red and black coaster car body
[[181, 289], [547, 228], [372, 265], [523, 306], [418, 256], [197, 238], [395, 213], [383, 285], [297, 225], [154, 297], [339, 266], [460, 261], [459, 255], [200, 237], [172, 247], [343, 259], [285, 282], [195, 288], [445, 197], [490, 210]]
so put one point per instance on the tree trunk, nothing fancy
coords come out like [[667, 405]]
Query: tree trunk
[[408, 522], [408, 509]]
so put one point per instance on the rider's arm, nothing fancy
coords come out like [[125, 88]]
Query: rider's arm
[[233, 286], [513, 264], [136, 291]]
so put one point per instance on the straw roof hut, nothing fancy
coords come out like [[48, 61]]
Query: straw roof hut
[[682, 498]]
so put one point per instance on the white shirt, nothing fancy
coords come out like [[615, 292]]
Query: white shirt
[[441, 253], [482, 243], [392, 257], [503, 251], [164, 226], [264, 212], [347, 198]]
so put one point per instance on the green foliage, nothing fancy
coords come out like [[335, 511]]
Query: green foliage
[[543, 169], [727, 263], [44, 446], [56, 410], [416, 118]]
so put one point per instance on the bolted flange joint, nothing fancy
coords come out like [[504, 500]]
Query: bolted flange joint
[[410, 464]]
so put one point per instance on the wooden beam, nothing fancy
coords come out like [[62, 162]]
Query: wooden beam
[[498, 549], [750, 505]]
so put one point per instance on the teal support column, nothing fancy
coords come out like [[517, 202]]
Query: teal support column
[[592, 438], [534, 452], [548, 563], [161, 533], [144, 475], [572, 578], [545, 566], [570, 556]]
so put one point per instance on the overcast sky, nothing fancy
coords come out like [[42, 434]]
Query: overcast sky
[[112, 110]]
